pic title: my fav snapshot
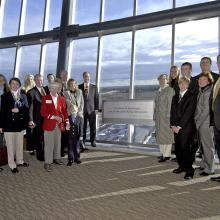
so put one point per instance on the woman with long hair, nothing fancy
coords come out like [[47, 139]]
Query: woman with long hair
[[28, 83], [174, 78]]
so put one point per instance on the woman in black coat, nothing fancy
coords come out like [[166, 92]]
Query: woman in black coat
[[13, 122], [183, 125]]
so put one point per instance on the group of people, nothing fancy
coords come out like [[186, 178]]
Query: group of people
[[53, 117], [187, 116]]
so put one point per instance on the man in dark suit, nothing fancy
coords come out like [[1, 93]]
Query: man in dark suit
[[35, 119], [50, 78], [91, 105], [186, 70], [183, 125], [205, 65]]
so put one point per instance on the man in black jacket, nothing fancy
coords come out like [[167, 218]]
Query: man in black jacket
[[35, 119], [91, 105]]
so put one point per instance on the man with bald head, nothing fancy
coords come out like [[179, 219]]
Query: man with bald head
[[91, 106]]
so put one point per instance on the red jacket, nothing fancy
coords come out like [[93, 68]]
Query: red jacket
[[48, 111]]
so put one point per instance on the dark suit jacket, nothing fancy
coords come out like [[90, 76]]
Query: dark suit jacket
[[13, 122], [91, 103], [215, 115], [34, 100], [46, 89], [182, 113]]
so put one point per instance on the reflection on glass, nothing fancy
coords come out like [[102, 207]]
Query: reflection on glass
[[180, 3], [153, 57], [34, 16], [87, 11], [192, 42], [7, 61], [150, 6], [84, 58], [55, 14], [51, 58], [115, 9], [30, 60], [11, 18]]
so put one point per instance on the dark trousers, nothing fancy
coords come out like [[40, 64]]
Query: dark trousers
[[73, 146], [92, 124], [29, 139], [183, 149], [217, 141], [38, 141], [64, 141]]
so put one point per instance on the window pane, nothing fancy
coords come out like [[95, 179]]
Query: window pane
[[55, 13], [153, 6], [115, 81], [180, 3], [7, 61], [115, 9], [87, 11], [30, 60], [84, 58], [34, 16], [153, 57], [11, 18], [192, 43], [51, 58]]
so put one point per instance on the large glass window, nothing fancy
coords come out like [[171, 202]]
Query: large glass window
[[11, 18], [30, 60], [34, 16], [180, 3], [196, 39], [55, 13], [115, 9], [87, 11], [153, 6], [51, 58], [115, 81], [115, 67], [153, 57], [7, 61], [84, 58]]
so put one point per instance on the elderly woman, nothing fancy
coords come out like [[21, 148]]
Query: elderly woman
[[13, 122], [183, 126], [75, 105], [164, 134], [202, 120], [53, 110]]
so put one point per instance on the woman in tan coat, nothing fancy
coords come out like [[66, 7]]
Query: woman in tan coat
[[164, 134]]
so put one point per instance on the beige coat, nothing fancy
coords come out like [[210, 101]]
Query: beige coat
[[162, 107]]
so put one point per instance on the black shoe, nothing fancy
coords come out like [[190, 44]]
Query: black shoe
[[189, 175], [93, 143], [63, 154], [23, 165], [178, 170], [1, 169], [216, 178], [15, 170], [40, 158], [174, 159], [163, 159], [70, 162], [205, 174], [77, 161]]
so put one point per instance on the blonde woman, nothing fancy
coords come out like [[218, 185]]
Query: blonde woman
[[28, 83], [174, 78], [164, 134]]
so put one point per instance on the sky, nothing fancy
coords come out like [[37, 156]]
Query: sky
[[153, 46]]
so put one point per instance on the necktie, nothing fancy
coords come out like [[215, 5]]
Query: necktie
[[180, 97], [86, 90], [42, 92]]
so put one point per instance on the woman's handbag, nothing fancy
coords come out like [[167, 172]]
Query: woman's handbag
[[3, 151]]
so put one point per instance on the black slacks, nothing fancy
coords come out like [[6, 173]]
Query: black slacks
[[217, 140], [38, 141], [92, 124], [183, 149]]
